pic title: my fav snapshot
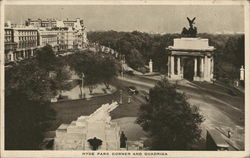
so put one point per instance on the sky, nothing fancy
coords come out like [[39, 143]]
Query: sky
[[144, 18]]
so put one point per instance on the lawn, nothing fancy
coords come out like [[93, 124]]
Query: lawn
[[68, 111]]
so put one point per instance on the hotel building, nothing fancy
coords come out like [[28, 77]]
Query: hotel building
[[20, 42]]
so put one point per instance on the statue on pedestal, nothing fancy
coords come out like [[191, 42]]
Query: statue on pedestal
[[95, 143], [192, 31]]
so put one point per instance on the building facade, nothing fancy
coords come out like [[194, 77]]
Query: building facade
[[48, 37], [27, 41], [9, 44], [52, 22], [72, 34], [65, 38], [21, 41]]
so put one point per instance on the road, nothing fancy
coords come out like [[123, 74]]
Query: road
[[220, 109]]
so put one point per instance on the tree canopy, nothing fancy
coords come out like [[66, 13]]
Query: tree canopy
[[229, 48], [171, 121], [96, 67], [29, 86]]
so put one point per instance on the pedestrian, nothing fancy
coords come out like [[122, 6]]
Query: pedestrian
[[123, 140], [229, 133], [129, 99]]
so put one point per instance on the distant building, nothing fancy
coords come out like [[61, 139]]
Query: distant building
[[9, 44], [48, 37], [65, 38], [21, 41], [53, 23], [71, 34], [27, 41]]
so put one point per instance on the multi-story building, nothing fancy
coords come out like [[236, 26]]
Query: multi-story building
[[71, 34], [48, 37], [20, 42], [27, 41], [65, 38], [9, 44], [52, 22]]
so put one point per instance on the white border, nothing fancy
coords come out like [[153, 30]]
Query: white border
[[133, 2]]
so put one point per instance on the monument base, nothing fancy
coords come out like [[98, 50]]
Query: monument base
[[176, 77], [76, 135], [196, 78]]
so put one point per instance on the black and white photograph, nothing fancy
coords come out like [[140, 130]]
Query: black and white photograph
[[124, 79]]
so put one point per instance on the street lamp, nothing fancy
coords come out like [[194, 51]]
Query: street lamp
[[120, 97], [83, 94]]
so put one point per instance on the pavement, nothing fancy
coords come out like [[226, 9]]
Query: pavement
[[131, 129]]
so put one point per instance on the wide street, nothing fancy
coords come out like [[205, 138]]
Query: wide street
[[221, 109]]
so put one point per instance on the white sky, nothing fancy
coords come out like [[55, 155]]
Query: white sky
[[148, 18]]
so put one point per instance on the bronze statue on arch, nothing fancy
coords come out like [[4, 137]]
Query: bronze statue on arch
[[191, 31]]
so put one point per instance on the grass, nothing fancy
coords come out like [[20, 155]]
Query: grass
[[68, 111]]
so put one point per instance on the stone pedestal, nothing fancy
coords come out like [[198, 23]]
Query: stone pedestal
[[75, 136]]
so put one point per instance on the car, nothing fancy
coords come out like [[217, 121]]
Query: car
[[132, 90], [130, 72]]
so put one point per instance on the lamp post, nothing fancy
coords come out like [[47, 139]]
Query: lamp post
[[83, 94], [120, 97]]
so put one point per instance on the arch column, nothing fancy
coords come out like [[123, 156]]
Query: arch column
[[208, 69], [178, 66], [202, 67], [195, 67], [169, 66], [205, 67], [212, 67], [172, 65]]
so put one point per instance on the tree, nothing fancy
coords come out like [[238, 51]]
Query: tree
[[169, 119], [29, 86], [29, 79], [109, 71], [135, 59], [46, 58], [25, 121], [96, 67], [33, 77], [234, 55]]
